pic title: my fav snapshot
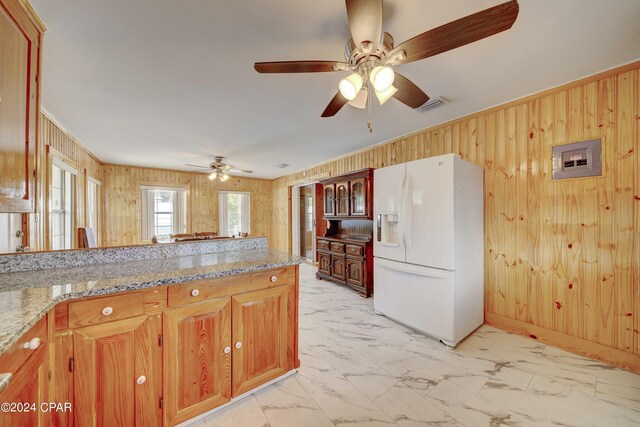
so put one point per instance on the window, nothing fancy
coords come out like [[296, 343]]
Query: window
[[61, 205], [93, 207], [234, 213], [164, 212]]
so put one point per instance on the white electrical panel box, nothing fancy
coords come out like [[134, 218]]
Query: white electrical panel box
[[577, 160]]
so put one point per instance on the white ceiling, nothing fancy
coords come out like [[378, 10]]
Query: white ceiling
[[162, 83]]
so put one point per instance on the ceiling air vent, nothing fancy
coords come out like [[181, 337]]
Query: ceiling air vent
[[283, 165], [432, 103]]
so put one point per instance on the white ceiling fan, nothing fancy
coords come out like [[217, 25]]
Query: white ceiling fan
[[219, 169]]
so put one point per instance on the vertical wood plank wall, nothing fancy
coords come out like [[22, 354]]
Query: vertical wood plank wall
[[561, 256], [121, 209], [60, 140], [123, 197]]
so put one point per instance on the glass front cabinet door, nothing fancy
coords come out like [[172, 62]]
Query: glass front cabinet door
[[342, 199], [329, 200], [359, 197]]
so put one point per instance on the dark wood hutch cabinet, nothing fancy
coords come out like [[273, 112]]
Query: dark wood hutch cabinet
[[345, 252]]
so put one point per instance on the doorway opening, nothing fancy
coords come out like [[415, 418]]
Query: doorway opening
[[306, 219]]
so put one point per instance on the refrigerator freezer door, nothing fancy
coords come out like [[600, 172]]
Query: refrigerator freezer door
[[388, 192], [430, 215], [419, 297]]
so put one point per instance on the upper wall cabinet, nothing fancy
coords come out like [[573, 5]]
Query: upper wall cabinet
[[20, 53], [349, 196]]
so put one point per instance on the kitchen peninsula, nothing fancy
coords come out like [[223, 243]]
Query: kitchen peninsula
[[147, 335]]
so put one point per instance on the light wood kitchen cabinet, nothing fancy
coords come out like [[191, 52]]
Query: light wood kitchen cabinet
[[30, 385], [118, 373], [20, 54], [156, 356], [260, 331], [197, 362]]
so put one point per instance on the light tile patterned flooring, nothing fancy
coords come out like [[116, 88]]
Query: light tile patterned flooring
[[362, 369]]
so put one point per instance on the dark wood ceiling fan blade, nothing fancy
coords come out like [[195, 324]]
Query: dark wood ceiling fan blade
[[297, 66], [365, 20], [408, 93], [335, 105], [460, 32]]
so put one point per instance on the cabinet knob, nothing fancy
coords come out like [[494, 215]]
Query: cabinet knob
[[274, 278], [238, 344], [33, 344], [107, 311], [5, 380], [227, 350], [141, 379], [195, 293]]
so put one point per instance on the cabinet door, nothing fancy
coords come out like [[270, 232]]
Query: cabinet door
[[329, 200], [355, 272], [359, 197], [260, 333], [342, 199], [19, 64], [118, 373], [197, 358], [324, 263], [28, 385], [338, 267]]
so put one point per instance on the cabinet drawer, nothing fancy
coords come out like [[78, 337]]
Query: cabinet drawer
[[107, 309], [337, 247], [17, 355], [200, 290], [355, 250], [324, 245]]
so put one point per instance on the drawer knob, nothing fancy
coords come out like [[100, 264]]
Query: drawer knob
[[32, 344], [141, 379], [227, 350], [5, 380], [195, 293], [107, 311], [274, 278], [238, 344]]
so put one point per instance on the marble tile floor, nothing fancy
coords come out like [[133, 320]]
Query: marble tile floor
[[359, 368]]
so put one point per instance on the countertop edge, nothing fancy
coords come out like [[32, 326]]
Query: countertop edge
[[10, 340]]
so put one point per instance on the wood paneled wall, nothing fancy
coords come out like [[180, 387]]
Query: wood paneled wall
[[120, 191], [561, 256], [52, 135], [123, 212]]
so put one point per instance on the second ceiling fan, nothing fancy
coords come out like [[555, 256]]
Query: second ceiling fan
[[371, 54]]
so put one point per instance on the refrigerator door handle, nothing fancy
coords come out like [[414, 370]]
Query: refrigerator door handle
[[412, 269], [407, 207], [401, 214]]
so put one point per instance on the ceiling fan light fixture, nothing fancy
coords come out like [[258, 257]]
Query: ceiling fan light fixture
[[360, 101], [382, 78], [212, 176], [224, 177], [350, 86], [384, 96]]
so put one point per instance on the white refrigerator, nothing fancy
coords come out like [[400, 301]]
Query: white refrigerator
[[429, 246]]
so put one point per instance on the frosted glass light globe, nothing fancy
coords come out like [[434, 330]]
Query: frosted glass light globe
[[382, 78], [350, 86]]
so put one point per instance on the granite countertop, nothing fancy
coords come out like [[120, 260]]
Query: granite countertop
[[25, 297]]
